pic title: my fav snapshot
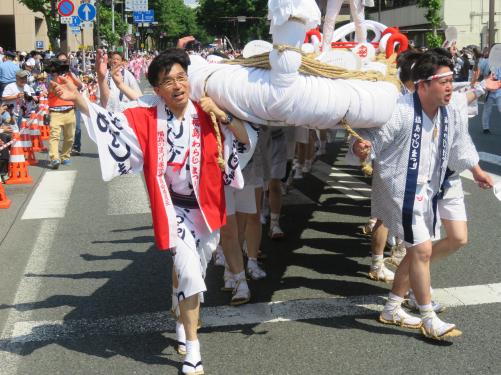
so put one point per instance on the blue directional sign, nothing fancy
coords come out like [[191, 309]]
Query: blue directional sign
[[75, 21], [147, 16], [87, 12], [39, 44]]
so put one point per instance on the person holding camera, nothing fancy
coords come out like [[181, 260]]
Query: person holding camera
[[20, 95], [61, 112]]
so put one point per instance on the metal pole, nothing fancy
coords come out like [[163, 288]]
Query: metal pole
[[492, 31], [113, 21], [379, 11], [98, 37], [83, 50]]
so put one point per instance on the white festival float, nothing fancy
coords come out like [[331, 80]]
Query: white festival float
[[283, 95]]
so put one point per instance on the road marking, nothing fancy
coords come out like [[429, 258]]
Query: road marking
[[337, 179], [51, 197], [490, 158], [127, 196], [222, 316], [27, 293]]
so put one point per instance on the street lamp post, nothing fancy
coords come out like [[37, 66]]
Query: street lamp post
[[492, 32]]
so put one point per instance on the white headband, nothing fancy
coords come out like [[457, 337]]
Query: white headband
[[435, 76]]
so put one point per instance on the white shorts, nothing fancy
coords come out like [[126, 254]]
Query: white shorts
[[451, 206], [422, 216], [452, 209], [243, 201]]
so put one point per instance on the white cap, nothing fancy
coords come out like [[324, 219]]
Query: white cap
[[30, 62], [23, 53]]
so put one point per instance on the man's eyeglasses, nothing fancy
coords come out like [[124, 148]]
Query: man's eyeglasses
[[171, 81]]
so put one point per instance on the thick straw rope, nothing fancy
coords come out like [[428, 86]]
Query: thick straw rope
[[220, 158], [311, 66]]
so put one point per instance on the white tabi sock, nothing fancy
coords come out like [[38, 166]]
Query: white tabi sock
[[377, 260], [193, 352], [180, 334], [393, 303], [427, 311]]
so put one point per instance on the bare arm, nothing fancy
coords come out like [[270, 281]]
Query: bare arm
[[101, 71], [236, 126], [128, 91]]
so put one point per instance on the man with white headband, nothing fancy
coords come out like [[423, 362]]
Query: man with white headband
[[411, 155]]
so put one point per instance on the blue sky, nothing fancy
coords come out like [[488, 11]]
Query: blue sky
[[190, 2]]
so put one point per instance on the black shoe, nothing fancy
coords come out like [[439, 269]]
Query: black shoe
[[75, 152], [487, 131]]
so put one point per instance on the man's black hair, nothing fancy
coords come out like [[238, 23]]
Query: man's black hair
[[405, 63], [61, 54], [442, 51], [162, 64], [428, 64]]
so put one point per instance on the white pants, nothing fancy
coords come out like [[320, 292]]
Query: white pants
[[192, 252], [357, 14]]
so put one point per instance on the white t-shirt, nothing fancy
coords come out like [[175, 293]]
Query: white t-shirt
[[13, 89]]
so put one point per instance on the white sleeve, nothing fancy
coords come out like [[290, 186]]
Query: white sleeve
[[236, 155], [117, 143], [10, 90], [130, 80]]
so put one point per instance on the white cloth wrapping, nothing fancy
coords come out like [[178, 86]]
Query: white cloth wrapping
[[263, 97], [279, 12]]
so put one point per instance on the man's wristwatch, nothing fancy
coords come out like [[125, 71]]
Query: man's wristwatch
[[227, 120]]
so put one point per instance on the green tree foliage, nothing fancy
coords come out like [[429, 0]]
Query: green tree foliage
[[46, 7], [219, 19], [434, 17], [175, 20], [105, 28]]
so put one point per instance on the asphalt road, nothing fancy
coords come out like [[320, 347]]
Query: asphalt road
[[84, 291]]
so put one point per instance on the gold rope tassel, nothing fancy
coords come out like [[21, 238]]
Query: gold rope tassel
[[366, 164], [215, 125]]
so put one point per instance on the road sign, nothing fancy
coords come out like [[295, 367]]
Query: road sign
[[87, 24], [65, 20], [75, 21], [87, 12], [75, 30], [39, 44], [139, 5], [65, 8], [140, 17]]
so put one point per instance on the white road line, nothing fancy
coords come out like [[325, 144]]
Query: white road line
[[336, 179], [490, 158], [51, 197], [127, 196], [257, 313], [27, 291]]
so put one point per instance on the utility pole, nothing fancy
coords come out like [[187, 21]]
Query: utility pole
[[113, 21], [492, 31]]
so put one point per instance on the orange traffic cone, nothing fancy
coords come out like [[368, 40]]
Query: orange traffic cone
[[29, 155], [36, 137], [44, 129], [4, 200], [18, 166]]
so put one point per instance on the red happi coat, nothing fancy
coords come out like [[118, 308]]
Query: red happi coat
[[210, 190]]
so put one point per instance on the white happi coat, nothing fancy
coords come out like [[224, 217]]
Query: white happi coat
[[391, 145]]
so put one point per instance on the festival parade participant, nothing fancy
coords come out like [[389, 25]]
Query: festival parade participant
[[422, 138], [176, 146], [357, 8]]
